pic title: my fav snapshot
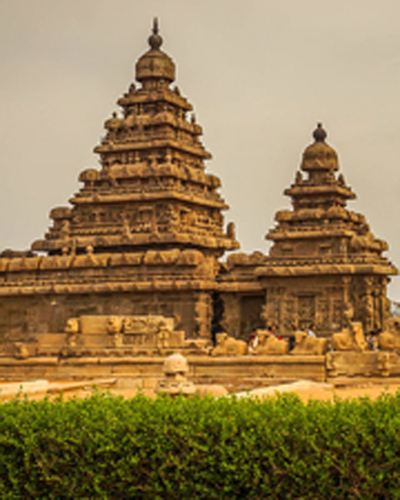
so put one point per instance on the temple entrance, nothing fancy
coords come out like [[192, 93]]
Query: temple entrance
[[250, 315]]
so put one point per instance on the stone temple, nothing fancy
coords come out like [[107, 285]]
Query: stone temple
[[145, 235]]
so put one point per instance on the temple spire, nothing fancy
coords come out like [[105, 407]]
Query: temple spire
[[319, 133], [155, 40]]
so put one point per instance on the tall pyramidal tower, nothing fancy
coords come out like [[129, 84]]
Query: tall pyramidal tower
[[144, 233], [152, 191]]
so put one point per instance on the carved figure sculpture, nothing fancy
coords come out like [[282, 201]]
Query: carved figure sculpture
[[72, 329], [388, 341], [384, 364], [21, 351], [174, 382], [350, 339], [114, 324], [392, 325], [268, 344], [228, 346], [307, 345], [72, 326], [114, 328]]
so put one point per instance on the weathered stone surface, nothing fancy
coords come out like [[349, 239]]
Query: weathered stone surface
[[350, 339], [146, 333], [308, 345], [228, 346], [362, 364], [269, 345], [388, 341], [175, 382]]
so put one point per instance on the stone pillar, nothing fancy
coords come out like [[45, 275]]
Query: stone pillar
[[231, 317], [203, 315], [368, 306]]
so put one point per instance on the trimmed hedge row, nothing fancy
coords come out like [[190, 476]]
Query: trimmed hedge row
[[108, 447]]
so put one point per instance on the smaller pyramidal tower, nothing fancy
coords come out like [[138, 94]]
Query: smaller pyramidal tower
[[152, 191], [324, 264]]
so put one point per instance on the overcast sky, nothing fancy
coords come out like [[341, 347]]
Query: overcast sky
[[260, 74]]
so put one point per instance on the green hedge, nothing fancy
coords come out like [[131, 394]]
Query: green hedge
[[109, 447]]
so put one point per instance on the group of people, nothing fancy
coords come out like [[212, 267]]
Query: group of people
[[372, 340]]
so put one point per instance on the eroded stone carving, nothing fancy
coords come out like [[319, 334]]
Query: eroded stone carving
[[269, 345], [21, 350], [228, 346], [139, 332], [350, 339], [175, 376], [307, 345], [388, 341]]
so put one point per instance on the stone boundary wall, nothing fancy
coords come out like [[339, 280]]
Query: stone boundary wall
[[338, 368]]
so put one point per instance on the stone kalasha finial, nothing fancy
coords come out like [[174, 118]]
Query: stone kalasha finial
[[319, 133], [155, 40]]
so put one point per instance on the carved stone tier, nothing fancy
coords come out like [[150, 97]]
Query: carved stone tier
[[277, 268]]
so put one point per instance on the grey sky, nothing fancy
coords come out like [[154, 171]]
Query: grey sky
[[260, 74]]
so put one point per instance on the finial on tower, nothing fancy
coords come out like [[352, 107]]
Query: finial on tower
[[155, 40], [319, 133]]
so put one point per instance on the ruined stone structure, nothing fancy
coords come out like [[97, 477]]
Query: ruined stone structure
[[145, 233]]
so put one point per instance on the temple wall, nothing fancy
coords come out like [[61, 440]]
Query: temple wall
[[21, 317], [294, 303]]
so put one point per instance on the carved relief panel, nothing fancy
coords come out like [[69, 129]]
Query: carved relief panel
[[306, 311], [231, 316]]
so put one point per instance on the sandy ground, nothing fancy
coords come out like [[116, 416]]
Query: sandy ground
[[306, 390]]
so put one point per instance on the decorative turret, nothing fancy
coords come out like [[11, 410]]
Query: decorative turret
[[152, 190], [321, 188], [319, 223]]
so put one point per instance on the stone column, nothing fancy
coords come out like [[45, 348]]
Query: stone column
[[203, 315], [231, 317]]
